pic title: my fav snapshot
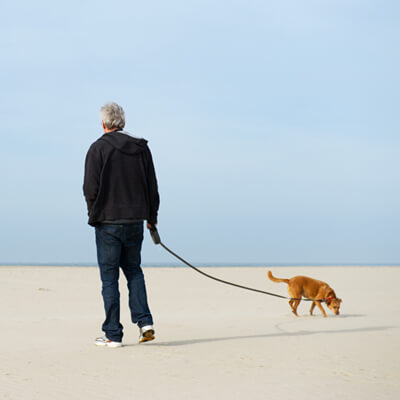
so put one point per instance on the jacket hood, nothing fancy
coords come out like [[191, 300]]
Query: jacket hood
[[124, 142]]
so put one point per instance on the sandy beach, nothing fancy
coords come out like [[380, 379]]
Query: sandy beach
[[212, 341]]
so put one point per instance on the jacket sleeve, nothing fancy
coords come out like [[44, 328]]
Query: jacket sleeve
[[91, 181], [154, 197]]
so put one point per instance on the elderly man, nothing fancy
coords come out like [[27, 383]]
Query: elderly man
[[121, 192]]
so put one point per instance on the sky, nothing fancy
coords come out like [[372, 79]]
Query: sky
[[274, 126]]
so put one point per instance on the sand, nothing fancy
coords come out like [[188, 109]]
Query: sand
[[213, 341]]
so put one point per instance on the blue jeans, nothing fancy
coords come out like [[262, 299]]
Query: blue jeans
[[120, 246]]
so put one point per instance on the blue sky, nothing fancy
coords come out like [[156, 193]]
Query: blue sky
[[273, 124]]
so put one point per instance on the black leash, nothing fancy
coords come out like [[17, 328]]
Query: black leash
[[157, 240]]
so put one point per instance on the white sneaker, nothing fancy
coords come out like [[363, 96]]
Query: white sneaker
[[146, 334], [104, 341]]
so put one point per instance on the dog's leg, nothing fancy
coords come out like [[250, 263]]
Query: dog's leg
[[291, 306], [312, 307], [294, 304], [321, 308]]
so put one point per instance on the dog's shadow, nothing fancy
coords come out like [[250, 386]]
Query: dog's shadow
[[268, 335], [351, 315], [341, 316]]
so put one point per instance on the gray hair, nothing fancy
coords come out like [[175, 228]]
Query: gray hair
[[113, 116]]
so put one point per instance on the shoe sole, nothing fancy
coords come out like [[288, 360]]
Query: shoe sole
[[108, 345], [147, 336]]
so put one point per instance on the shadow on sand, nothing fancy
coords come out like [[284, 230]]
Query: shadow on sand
[[268, 335]]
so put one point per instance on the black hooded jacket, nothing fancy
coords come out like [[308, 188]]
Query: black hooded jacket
[[120, 181]]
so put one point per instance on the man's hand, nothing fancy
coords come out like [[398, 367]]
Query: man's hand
[[149, 226]]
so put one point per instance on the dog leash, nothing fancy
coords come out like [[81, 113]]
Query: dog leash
[[157, 240]]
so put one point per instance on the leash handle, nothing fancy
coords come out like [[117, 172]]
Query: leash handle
[[155, 235]]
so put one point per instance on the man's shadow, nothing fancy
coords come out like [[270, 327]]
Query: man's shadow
[[268, 335]]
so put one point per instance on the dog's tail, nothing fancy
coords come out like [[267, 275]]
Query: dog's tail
[[270, 276]]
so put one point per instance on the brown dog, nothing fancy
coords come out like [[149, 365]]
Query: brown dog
[[299, 286]]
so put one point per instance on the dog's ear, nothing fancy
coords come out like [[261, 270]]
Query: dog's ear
[[339, 300]]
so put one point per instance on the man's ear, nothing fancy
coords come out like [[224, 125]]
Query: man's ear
[[103, 124]]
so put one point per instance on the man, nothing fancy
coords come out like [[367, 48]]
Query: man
[[121, 192]]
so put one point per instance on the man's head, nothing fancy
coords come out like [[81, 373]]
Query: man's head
[[112, 117]]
